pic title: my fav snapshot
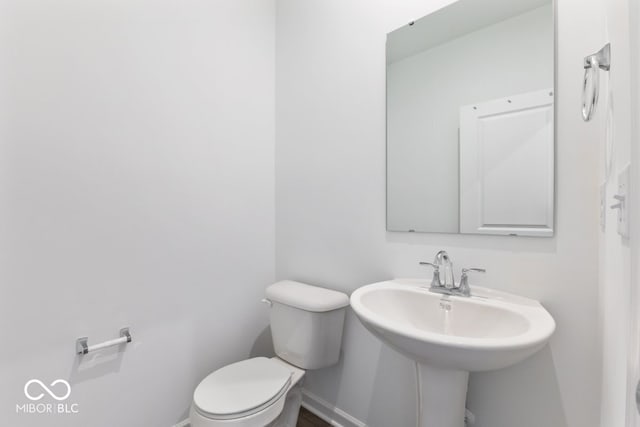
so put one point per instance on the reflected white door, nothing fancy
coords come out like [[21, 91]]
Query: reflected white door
[[507, 165]]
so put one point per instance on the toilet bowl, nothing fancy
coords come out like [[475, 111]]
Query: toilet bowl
[[252, 392], [306, 326]]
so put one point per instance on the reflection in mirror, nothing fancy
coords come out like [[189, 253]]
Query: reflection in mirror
[[470, 120]]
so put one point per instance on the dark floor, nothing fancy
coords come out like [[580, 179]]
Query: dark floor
[[307, 419]]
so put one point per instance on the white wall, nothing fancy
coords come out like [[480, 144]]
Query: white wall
[[136, 189], [507, 58], [633, 361], [633, 416], [612, 124], [330, 218]]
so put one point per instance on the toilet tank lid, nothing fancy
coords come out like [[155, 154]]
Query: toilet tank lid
[[306, 297]]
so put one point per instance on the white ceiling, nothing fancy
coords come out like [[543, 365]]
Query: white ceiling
[[454, 20]]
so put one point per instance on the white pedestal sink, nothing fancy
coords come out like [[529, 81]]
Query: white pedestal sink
[[450, 336]]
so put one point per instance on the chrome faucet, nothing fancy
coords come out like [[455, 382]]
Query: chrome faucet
[[443, 260], [443, 281], [441, 264]]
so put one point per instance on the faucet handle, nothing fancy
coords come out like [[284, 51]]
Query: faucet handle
[[435, 266], [435, 281], [464, 280], [477, 270]]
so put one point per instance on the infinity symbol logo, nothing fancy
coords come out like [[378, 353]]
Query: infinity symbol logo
[[45, 388]]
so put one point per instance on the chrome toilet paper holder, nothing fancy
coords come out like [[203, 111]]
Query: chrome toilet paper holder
[[83, 347]]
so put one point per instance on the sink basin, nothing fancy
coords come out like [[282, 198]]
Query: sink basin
[[450, 336], [490, 330]]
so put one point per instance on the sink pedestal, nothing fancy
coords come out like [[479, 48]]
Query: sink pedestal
[[450, 336], [442, 395]]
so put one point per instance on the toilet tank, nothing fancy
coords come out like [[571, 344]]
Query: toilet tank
[[306, 323]]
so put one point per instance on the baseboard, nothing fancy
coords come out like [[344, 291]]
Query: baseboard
[[321, 408], [328, 411]]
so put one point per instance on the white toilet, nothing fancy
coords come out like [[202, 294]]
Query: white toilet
[[306, 326]]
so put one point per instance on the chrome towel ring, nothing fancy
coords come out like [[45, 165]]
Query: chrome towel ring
[[600, 60]]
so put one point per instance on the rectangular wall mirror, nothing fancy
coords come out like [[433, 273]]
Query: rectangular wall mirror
[[470, 120]]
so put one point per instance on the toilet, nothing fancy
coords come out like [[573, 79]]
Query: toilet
[[306, 328]]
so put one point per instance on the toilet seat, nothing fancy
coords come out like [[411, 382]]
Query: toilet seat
[[243, 389]]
